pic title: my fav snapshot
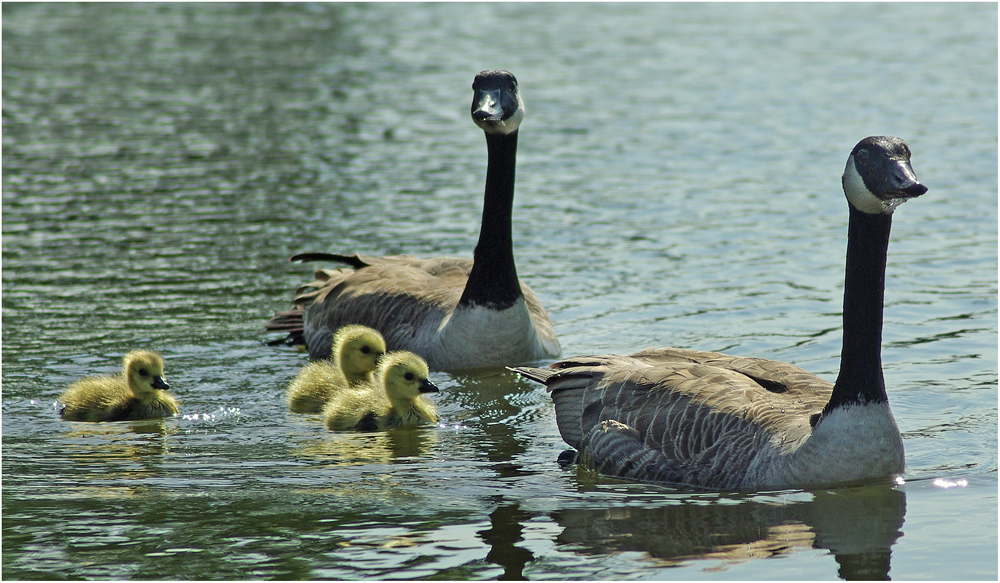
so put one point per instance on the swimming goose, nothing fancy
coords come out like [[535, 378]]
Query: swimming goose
[[355, 353], [138, 392], [714, 421], [455, 313], [393, 399]]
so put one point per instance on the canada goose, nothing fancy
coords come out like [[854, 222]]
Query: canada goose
[[354, 355], [715, 421], [455, 313], [393, 399], [138, 392]]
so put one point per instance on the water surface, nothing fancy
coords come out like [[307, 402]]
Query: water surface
[[678, 184]]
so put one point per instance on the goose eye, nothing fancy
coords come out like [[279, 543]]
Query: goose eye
[[863, 154], [143, 372], [409, 376], [365, 350]]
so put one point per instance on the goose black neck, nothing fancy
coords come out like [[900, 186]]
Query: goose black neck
[[493, 281], [860, 379]]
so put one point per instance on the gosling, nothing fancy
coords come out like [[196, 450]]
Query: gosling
[[393, 399], [138, 392], [355, 354]]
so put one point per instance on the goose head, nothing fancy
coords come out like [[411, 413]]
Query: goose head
[[357, 350], [878, 177], [496, 103], [405, 376], [144, 373]]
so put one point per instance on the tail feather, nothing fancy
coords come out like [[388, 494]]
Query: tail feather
[[288, 321], [292, 322], [569, 407], [353, 260], [539, 375]]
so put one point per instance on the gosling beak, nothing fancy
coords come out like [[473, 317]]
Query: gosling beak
[[428, 387], [160, 383]]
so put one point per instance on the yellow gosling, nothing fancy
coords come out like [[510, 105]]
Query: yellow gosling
[[393, 399], [138, 392], [355, 354]]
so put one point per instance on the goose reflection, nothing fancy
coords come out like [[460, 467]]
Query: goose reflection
[[858, 525], [506, 530]]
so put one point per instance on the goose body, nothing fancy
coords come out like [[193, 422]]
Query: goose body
[[455, 313], [715, 421], [394, 398], [354, 357], [138, 392]]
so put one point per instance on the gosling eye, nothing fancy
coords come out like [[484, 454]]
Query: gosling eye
[[143, 372], [408, 376], [365, 350]]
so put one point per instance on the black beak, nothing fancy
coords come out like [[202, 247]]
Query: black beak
[[486, 106], [428, 387], [915, 189], [904, 183], [160, 383]]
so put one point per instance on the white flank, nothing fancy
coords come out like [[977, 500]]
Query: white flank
[[855, 443], [478, 337]]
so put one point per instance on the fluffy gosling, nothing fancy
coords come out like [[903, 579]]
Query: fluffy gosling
[[393, 399], [138, 392], [355, 354]]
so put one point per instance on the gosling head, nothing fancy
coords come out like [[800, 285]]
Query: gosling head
[[405, 376], [144, 373], [878, 177], [496, 102], [357, 350]]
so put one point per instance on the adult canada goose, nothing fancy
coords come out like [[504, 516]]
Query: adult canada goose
[[455, 313], [138, 392], [393, 399], [355, 353], [715, 421]]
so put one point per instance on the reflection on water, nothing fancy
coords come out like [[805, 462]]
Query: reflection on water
[[506, 525], [363, 448], [111, 460], [858, 525], [501, 402]]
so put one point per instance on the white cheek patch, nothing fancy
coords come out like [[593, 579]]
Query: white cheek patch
[[504, 127], [858, 194]]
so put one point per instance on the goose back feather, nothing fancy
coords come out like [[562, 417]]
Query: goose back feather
[[681, 416]]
